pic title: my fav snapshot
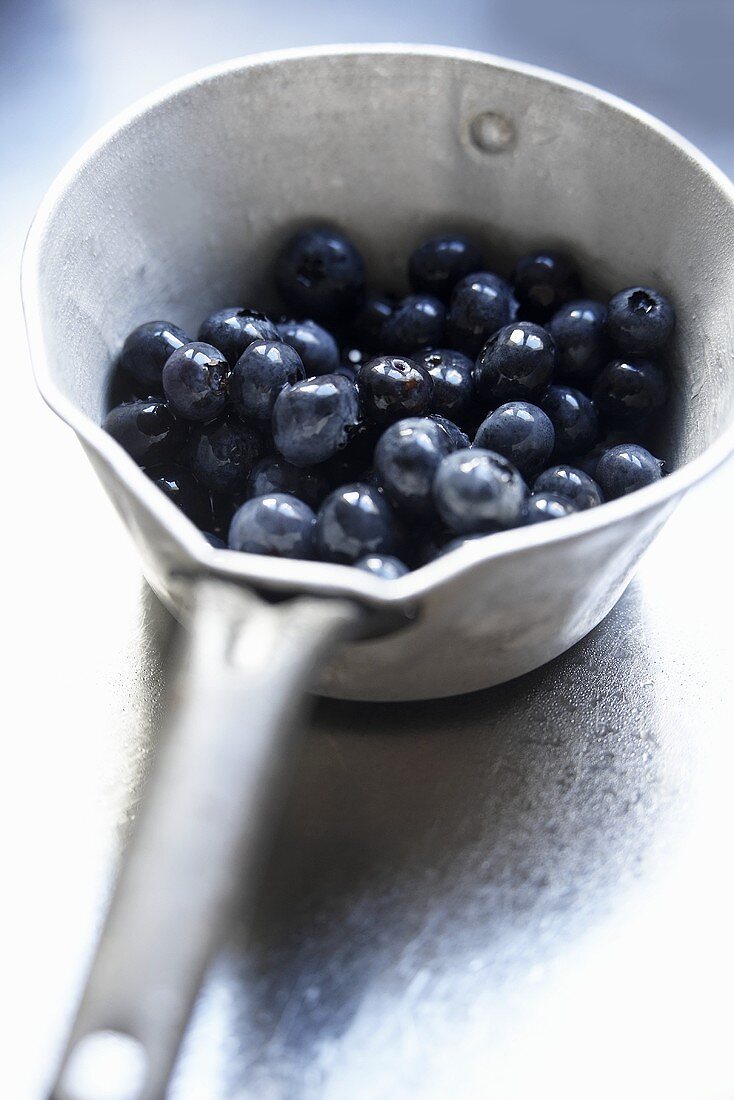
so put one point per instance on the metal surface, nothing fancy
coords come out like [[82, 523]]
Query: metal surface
[[534, 882], [584, 170]]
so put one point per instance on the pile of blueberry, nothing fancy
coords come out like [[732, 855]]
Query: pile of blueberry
[[383, 431]]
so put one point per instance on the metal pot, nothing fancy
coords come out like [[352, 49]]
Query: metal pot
[[175, 208]]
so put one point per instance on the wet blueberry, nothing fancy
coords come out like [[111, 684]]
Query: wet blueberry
[[516, 363], [382, 565], [320, 274], [437, 265], [273, 474], [148, 431], [406, 459], [571, 484], [588, 462], [392, 387], [574, 420], [278, 525], [195, 381], [543, 282], [181, 487], [640, 320], [625, 468], [543, 506], [259, 375], [521, 432], [354, 521], [313, 419], [628, 393], [221, 454], [478, 490], [417, 322], [146, 350], [480, 305], [317, 348], [370, 321], [453, 381], [459, 439], [578, 333], [233, 329]]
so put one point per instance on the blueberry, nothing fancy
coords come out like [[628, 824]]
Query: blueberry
[[221, 454], [259, 375], [320, 274], [588, 462], [185, 492], [517, 362], [392, 387], [574, 420], [640, 320], [578, 333], [370, 321], [453, 381], [543, 282], [313, 419], [233, 329], [570, 483], [627, 394], [354, 521], [148, 431], [521, 432], [353, 358], [278, 525], [406, 459], [625, 468], [273, 474], [478, 490], [437, 265], [214, 540], [543, 506], [317, 348], [195, 381], [480, 305], [383, 565], [459, 439], [146, 350], [417, 322]]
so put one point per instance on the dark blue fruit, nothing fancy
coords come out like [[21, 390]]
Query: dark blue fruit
[[570, 483], [521, 432], [354, 521], [543, 506], [640, 320], [320, 274], [417, 322], [516, 363], [543, 282], [578, 333], [233, 329], [313, 419], [628, 393], [453, 381], [370, 321], [317, 348], [625, 468], [185, 492], [148, 431], [278, 525], [273, 474], [437, 265], [480, 305], [459, 439], [382, 565], [221, 454], [195, 381], [407, 456], [146, 350], [392, 387], [477, 490], [574, 420], [259, 375]]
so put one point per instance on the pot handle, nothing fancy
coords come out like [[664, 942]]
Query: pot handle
[[201, 835]]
